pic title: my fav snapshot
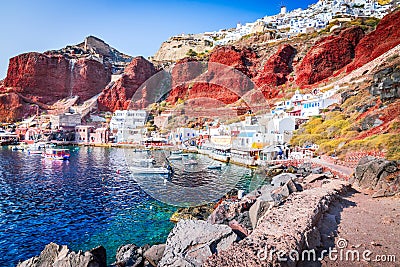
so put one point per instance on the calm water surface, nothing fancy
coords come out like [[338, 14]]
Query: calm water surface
[[91, 200]]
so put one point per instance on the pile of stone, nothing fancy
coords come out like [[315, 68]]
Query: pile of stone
[[62, 256]]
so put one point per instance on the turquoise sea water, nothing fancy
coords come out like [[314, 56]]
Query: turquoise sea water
[[92, 200]]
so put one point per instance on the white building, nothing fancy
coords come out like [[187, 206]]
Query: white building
[[123, 122], [182, 134], [65, 121]]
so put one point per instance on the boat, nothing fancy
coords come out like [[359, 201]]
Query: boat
[[34, 151], [176, 152], [191, 162], [21, 146], [150, 160], [57, 154], [175, 157], [149, 170], [215, 167], [185, 155], [8, 139]]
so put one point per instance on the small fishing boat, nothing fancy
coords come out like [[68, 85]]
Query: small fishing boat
[[175, 157], [214, 167], [176, 152], [57, 154], [150, 160], [21, 146], [185, 155], [149, 170], [34, 151], [191, 162]]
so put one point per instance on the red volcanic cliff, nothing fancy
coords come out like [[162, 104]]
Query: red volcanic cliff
[[182, 74], [118, 95], [10, 107], [48, 78], [224, 82], [385, 37], [277, 67], [328, 55], [241, 60], [88, 78]]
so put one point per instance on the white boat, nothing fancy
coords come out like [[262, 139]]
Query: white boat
[[57, 154], [34, 151], [215, 167], [149, 170], [176, 151], [150, 160], [191, 162], [175, 157]]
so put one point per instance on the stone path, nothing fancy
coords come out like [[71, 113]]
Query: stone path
[[337, 168], [367, 223]]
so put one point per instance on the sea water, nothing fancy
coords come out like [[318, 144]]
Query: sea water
[[90, 200]]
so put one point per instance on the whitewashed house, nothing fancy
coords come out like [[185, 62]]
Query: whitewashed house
[[123, 122]]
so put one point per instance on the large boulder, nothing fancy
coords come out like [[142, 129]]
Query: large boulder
[[62, 256], [281, 179], [258, 209], [190, 243], [154, 254], [129, 255], [380, 175], [229, 210]]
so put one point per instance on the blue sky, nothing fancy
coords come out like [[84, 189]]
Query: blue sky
[[132, 27]]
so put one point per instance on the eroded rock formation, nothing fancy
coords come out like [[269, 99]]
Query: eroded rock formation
[[118, 95], [48, 78], [328, 55], [385, 37]]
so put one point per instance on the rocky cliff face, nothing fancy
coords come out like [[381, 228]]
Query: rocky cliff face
[[386, 84], [385, 37], [11, 107], [118, 95], [82, 70], [328, 55], [182, 75], [277, 68], [177, 47], [48, 78], [224, 79]]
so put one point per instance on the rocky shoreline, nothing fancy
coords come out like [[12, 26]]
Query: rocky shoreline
[[290, 214]]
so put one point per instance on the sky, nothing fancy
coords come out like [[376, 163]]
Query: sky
[[132, 27]]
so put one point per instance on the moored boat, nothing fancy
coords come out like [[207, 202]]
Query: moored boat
[[149, 170], [34, 152], [215, 167], [175, 157], [191, 162], [57, 154]]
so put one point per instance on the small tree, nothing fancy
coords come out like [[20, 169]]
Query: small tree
[[191, 53]]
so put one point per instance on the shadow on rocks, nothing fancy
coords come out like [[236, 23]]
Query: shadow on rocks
[[323, 236]]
